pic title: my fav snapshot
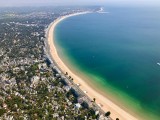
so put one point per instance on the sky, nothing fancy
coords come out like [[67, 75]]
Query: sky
[[76, 2]]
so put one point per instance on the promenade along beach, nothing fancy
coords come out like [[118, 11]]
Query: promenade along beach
[[107, 105]]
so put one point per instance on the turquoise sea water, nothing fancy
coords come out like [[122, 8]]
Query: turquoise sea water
[[119, 50]]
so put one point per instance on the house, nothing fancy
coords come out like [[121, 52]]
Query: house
[[81, 100], [67, 88], [77, 106], [34, 80]]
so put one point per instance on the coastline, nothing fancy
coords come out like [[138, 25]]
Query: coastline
[[116, 111]]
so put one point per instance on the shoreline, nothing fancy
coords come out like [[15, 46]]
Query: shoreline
[[108, 105]]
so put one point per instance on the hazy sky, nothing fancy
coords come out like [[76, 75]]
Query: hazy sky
[[76, 2]]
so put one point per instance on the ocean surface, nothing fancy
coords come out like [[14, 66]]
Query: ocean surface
[[119, 51]]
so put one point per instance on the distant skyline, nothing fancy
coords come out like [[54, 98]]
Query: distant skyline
[[76, 2]]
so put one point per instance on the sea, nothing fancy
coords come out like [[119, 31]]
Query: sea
[[118, 50]]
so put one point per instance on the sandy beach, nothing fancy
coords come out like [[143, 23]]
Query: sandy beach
[[107, 105]]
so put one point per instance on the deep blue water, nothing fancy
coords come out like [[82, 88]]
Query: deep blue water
[[122, 47]]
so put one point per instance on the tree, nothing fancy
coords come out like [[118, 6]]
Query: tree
[[107, 113], [85, 105], [94, 99], [2, 111]]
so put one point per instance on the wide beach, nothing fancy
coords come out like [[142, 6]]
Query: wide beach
[[107, 105]]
